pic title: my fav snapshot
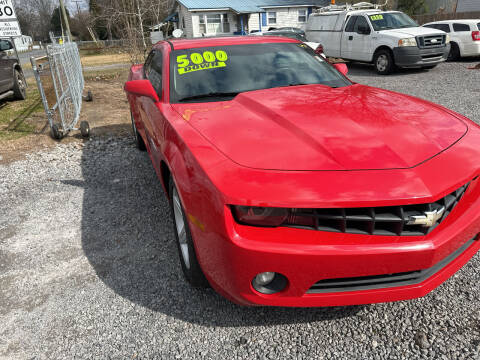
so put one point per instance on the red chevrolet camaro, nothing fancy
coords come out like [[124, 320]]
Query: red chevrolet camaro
[[290, 185]]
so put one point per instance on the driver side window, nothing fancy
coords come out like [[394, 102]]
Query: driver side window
[[153, 70], [361, 25]]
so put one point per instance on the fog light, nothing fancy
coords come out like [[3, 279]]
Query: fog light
[[269, 283], [264, 278]]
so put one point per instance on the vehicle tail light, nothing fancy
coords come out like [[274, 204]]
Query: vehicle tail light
[[319, 50], [476, 35], [260, 216]]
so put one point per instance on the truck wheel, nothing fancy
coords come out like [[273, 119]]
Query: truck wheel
[[19, 88], [383, 61], [186, 250], [454, 53], [138, 138]]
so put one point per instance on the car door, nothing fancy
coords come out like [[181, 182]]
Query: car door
[[362, 41], [6, 72], [463, 34], [153, 118], [348, 39]]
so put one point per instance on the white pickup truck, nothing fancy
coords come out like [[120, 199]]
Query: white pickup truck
[[388, 39]]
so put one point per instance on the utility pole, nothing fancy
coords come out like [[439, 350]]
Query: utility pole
[[65, 18]]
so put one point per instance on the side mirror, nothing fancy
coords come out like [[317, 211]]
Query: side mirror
[[342, 68], [141, 88], [363, 29]]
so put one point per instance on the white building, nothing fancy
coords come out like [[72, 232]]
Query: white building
[[238, 17]]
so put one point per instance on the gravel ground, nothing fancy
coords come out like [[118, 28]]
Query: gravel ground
[[88, 268]]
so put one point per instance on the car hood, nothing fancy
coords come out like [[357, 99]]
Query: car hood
[[315, 127], [412, 32]]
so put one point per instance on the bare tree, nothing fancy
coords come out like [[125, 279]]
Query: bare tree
[[131, 19], [34, 17]]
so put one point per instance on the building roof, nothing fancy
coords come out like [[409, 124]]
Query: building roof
[[248, 6]]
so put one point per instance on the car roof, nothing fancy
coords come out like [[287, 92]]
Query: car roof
[[456, 21], [182, 44]]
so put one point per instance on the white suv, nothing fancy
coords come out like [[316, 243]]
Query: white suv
[[464, 35]]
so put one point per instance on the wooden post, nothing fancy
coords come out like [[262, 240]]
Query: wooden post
[[65, 19]]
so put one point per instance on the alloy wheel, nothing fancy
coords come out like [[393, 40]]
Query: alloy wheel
[[382, 63], [180, 226]]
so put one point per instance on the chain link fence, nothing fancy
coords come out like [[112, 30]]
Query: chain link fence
[[59, 77]]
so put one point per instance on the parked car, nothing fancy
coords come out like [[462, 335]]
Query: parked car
[[290, 185], [292, 33], [464, 35], [388, 39], [289, 34], [12, 81]]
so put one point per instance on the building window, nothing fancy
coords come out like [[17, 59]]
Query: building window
[[214, 23], [302, 16], [272, 18]]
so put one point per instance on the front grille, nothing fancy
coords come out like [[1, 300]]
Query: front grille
[[386, 221], [432, 41], [384, 281]]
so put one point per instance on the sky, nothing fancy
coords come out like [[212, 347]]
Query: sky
[[72, 6]]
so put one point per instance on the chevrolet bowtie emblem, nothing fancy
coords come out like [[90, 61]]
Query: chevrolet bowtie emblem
[[429, 218]]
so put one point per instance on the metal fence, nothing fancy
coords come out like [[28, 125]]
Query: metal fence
[[60, 81]]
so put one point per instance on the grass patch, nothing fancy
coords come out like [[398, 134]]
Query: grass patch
[[98, 60], [14, 115], [120, 73]]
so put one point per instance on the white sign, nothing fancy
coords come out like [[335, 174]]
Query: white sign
[[7, 11], [9, 29]]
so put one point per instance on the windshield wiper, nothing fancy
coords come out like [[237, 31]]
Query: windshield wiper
[[210, 95]]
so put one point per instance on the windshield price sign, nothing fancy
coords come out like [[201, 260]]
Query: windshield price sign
[[7, 11], [9, 29]]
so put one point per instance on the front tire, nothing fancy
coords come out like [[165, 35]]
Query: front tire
[[384, 63], [186, 249], [19, 86], [138, 138]]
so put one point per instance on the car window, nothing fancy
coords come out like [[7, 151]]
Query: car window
[[361, 21], [198, 73], [148, 62], [461, 27], [155, 71], [478, 26], [351, 24], [431, 26], [443, 27]]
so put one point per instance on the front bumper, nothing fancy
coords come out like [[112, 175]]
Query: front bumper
[[415, 57], [307, 256]]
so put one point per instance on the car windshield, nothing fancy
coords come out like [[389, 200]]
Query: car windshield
[[395, 20], [221, 73]]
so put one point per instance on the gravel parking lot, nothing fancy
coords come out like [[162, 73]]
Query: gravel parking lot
[[89, 269]]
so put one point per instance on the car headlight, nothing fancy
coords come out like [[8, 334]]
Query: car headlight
[[447, 39], [260, 216], [407, 42]]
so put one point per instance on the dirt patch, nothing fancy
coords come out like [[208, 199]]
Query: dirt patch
[[108, 115]]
